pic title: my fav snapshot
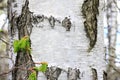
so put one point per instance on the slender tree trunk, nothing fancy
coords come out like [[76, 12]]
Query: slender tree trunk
[[4, 57], [112, 35], [21, 23]]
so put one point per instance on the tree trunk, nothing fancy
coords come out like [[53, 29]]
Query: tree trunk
[[73, 48], [4, 57], [112, 35], [21, 22]]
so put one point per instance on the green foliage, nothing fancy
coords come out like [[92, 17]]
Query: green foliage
[[22, 45], [41, 68], [16, 45], [32, 76]]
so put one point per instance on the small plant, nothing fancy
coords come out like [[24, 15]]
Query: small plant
[[32, 76], [22, 45], [41, 68]]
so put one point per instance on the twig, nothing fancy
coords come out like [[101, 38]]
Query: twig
[[7, 72], [7, 58], [4, 41]]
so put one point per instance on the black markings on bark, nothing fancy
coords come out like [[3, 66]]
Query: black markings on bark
[[90, 12], [73, 74], [104, 75], [94, 73], [53, 73]]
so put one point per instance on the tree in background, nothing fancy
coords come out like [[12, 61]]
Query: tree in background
[[4, 57], [112, 26]]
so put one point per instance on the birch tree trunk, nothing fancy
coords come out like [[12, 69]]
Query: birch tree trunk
[[73, 49], [4, 57], [112, 70]]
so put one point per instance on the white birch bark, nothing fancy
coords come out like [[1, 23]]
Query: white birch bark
[[4, 58], [63, 48], [4, 65]]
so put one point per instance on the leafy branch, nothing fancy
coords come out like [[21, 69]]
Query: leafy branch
[[24, 45], [34, 70]]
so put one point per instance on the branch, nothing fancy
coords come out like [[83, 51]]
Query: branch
[[7, 58], [20, 67], [4, 41], [7, 72]]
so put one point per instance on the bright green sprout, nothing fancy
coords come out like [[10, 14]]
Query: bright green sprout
[[22, 45]]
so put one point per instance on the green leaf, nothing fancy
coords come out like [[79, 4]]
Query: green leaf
[[43, 67], [27, 43], [23, 44], [16, 46], [32, 76]]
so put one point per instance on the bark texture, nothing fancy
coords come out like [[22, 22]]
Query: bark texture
[[22, 24], [69, 49], [90, 12], [53, 73], [94, 72], [4, 65], [4, 57], [104, 75], [112, 69], [65, 45], [73, 74]]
